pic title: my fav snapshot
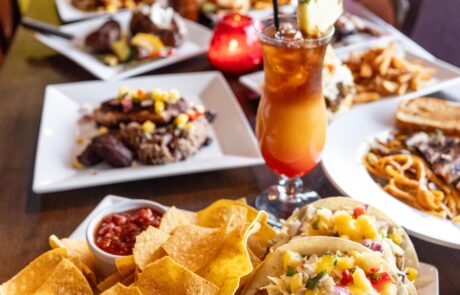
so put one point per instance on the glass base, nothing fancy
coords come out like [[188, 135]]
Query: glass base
[[280, 200]]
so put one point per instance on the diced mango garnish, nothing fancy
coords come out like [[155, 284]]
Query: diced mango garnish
[[291, 259], [181, 120], [159, 106], [411, 274], [361, 282], [366, 226], [326, 263], [148, 126], [345, 262], [296, 282]]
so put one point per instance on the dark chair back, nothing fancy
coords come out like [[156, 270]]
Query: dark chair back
[[9, 19]]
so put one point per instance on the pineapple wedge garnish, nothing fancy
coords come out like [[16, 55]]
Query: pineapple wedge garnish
[[316, 17]]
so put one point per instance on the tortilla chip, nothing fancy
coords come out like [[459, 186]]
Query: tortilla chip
[[259, 242], [66, 278], [165, 277], [233, 216], [194, 246], [129, 280], [148, 246], [172, 219], [30, 278], [233, 261], [76, 248], [125, 265], [110, 281], [79, 249], [120, 289]]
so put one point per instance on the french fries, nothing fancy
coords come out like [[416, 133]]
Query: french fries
[[380, 72]]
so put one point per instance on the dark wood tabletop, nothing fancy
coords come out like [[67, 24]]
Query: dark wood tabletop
[[27, 219]]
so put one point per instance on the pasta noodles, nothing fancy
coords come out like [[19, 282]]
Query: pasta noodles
[[408, 177]]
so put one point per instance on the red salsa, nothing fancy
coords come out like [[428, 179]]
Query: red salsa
[[116, 233]]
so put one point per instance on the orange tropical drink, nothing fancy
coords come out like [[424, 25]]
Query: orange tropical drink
[[292, 119]]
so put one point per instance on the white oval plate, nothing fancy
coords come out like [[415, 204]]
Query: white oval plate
[[348, 140]]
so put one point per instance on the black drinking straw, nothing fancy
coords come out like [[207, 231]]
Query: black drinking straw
[[275, 15]]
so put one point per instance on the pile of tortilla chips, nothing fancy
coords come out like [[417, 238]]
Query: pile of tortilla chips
[[213, 251]]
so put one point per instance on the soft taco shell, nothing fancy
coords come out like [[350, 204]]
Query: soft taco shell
[[273, 265], [341, 203]]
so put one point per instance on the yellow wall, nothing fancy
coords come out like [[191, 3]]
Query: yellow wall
[[23, 4]]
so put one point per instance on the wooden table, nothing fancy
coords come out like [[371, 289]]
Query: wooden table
[[27, 219]]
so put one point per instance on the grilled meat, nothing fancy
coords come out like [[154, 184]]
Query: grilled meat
[[441, 152], [106, 148], [112, 112]]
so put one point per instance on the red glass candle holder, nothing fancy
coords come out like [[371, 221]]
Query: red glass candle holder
[[235, 48]]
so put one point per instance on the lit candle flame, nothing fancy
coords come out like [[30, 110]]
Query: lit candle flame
[[233, 45]]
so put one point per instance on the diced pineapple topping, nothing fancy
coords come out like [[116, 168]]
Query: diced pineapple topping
[[181, 120], [102, 130], [396, 237], [326, 263], [174, 96], [159, 106], [158, 94], [296, 282], [345, 262], [148, 126], [360, 281], [291, 259], [388, 288], [77, 164], [411, 274], [366, 226], [345, 224], [366, 260]]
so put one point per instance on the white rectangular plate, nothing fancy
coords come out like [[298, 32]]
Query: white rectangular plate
[[446, 75], [427, 277], [196, 42], [57, 147]]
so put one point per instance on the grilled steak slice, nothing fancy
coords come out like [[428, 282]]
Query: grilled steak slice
[[107, 148], [441, 152], [112, 113]]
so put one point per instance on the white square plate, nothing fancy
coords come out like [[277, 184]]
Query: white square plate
[[196, 42], [428, 282], [446, 74], [57, 147]]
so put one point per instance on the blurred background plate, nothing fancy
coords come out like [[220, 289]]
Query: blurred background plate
[[196, 42]]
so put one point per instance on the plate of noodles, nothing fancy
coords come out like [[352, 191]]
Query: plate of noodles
[[403, 157]]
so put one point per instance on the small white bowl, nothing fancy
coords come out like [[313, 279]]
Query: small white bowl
[[107, 259]]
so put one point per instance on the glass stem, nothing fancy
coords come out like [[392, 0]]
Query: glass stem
[[289, 188]]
